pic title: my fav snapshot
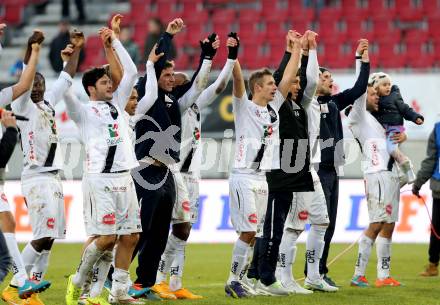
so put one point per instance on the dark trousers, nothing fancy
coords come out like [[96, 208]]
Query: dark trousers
[[79, 6], [434, 242], [156, 210], [330, 185], [5, 259], [266, 249]]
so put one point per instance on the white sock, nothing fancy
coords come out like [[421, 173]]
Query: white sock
[[314, 247], [100, 272], [167, 259], [239, 257], [90, 257], [383, 249], [40, 267], [286, 256], [365, 245], [30, 258], [176, 271], [120, 282], [18, 269], [250, 254]]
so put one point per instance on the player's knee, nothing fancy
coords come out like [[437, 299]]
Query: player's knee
[[41, 244], [182, 231], [247, 237], [107, 242]]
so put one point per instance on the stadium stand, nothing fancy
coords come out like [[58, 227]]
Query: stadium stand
[[405, 33]]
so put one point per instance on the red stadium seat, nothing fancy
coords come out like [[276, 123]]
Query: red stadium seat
[[416, 36]]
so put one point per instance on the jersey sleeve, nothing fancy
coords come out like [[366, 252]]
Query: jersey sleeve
[[5, 96], [213, 91], [22, 104], [128, 80], [197, 86], [312, 74], [75, 109], [61, 85], [150, 96], [238, 103]]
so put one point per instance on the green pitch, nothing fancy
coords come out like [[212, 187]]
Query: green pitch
[[207, 269]]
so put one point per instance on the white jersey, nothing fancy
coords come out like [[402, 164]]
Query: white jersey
[[190, 149], [257, 134], [371, 137], [39, 136], [103, 129], [312, 107], [5, 96], [131, 122]]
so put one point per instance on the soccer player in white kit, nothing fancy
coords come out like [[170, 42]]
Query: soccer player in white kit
[[21, 286], [256, 151], [110, 203], [382, 189], [187, 177], [307, 206]]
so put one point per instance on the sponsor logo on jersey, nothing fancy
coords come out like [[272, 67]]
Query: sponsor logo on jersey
[[115, 189], [3, 197], [389, 209], [303, 215], [58, 195], [50, 223], [253, 218], [113, 130], [109, 219], [185, 206]]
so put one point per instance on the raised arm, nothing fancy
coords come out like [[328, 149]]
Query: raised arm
[[278, 74], [164, 43], [31, 59], [238, 87], [213, 91], [292, 66], [359, 108], [115, 67], [312, 71], [151, 87], [130, 74], [347, 97], [209, 48]]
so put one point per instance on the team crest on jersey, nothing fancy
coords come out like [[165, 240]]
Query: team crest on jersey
[[253, 218], [50, 223], [257, 113], [3, 197]]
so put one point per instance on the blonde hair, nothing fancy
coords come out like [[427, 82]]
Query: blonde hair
[[377, 78]]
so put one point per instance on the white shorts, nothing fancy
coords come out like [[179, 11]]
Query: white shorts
[[308, 207], [248, 194], [383, 194], [4, 205], [181, 209], [44, 198], [191, 194], [110, 204]]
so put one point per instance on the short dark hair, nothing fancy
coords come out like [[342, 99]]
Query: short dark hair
[[40, 75], [91, 76], [323, 69], [168, 64], [256, 77]]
